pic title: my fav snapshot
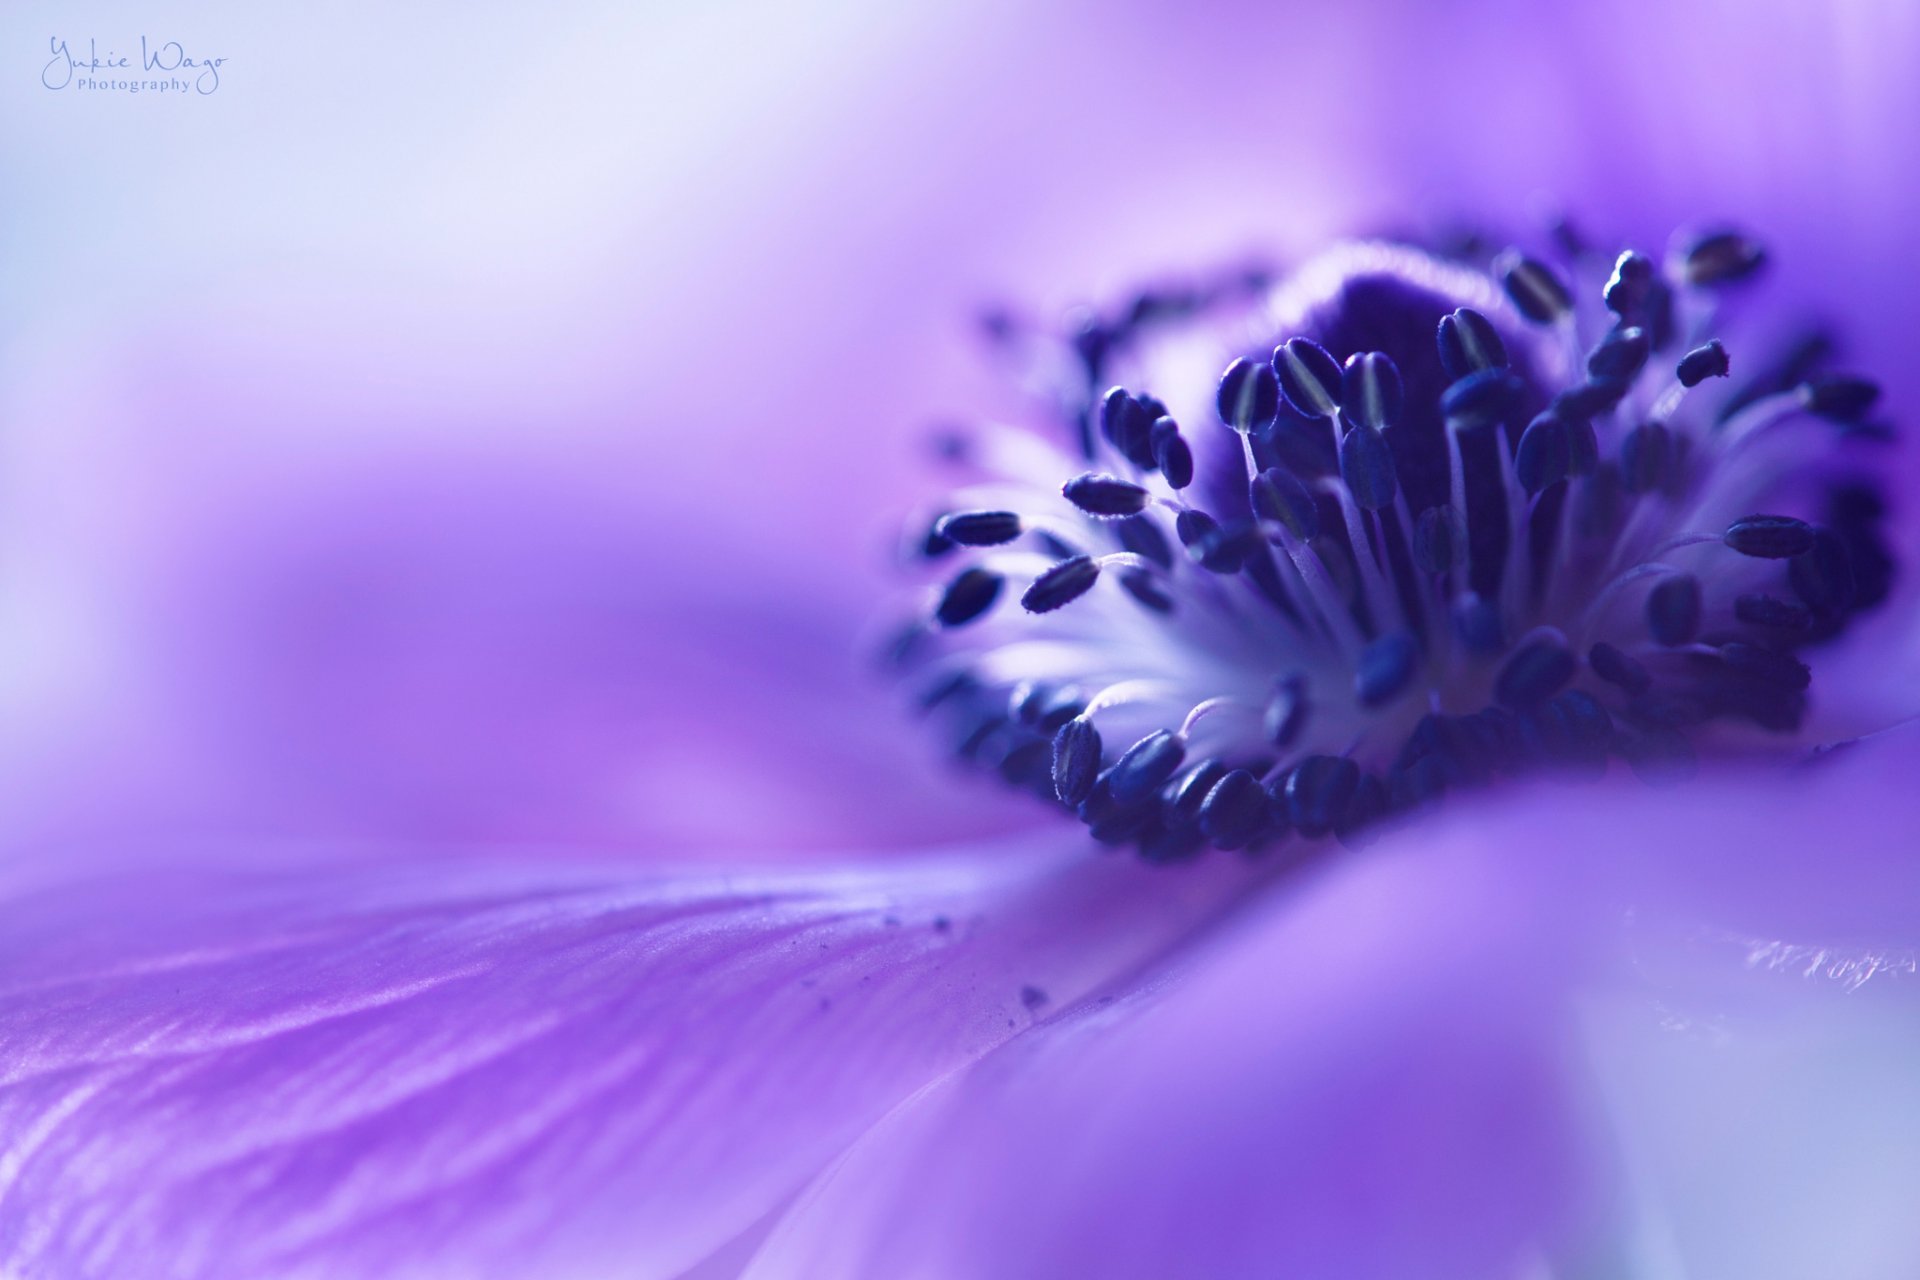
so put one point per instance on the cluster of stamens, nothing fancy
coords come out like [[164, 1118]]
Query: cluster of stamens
[[1462, 524]]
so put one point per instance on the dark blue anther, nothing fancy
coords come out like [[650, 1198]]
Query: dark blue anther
[[1469, 343], [980, 528], [1630, 286], [1056, 709], [1584, 719], [1181, 799], [1142, 536], [1249, 395], [1310, 377], [1318, 792], [1371, 393], [1589, 399], [1572, 731], [1278, 495], [1822, 575], [1170, 845], [953, 686], [1111, 822], [1147, 589], [1127, 421], [1286, 713], [933, 544], [1621, 355], [1234, 810], [1356, 827], [1064, 582], [1660, 756], [1366, 465], [1702, 363], [1568, 238], [1673, 610], [1839, 396], [1616, 668], [970, 594], [1026, 699], [1538, 669], [1301, 445], [1644, 456], [1479, 398], [1476, 620], [1536, 289], [1769, 537], [1766, 611], [1437, 545], [1721, 257], [1194, 527], [1092, 341], [1494, 734], [1544, 455], [1143, 766], [1054, 545], [1227, 548], [1105, 496], [1385, 668], [1279, 814], [1171, 454], [1766, 665], [1076, 761], [1419, 785]]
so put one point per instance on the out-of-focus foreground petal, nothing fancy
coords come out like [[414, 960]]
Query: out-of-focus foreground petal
[[1770, 1131], [1757, 1056], [1363, 1077], [381, 1069], [1480, 1042]]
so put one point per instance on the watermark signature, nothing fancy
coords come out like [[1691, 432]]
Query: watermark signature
[[119, 73]]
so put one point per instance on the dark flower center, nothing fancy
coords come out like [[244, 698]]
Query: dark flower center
[[1462, 522]]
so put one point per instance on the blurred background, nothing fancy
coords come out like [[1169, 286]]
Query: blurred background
[[460, 424]]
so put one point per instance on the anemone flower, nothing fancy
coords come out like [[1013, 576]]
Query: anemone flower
[[1477, 666]]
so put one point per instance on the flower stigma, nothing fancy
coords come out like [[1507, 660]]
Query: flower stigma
[[1393, 527]]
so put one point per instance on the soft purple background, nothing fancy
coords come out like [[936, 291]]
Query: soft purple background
[[426, 435]]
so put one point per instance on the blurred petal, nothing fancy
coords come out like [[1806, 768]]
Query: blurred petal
[[1362, 1078], [1756, 1048], [1771, 1133], [1819, 853], [481, 1070]]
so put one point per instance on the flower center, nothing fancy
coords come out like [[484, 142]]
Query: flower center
[[1460, 524]]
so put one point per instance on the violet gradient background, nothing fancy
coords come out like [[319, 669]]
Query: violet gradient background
[[420, 437]]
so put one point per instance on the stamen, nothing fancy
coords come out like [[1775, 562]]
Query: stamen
[[1720, 257], [1063, 583], [1769, 537], [979, 528], [1673, 610], [1534, 288], [1455, 529], [1107, 496], [1702, 363], [968, 596]]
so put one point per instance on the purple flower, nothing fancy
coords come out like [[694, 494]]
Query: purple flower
[[1534, 1030], [1022, 1059]]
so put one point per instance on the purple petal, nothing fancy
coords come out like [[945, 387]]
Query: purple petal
[[1362, 1079], [1771, 1137], [500, 1071], [1815, 852]]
